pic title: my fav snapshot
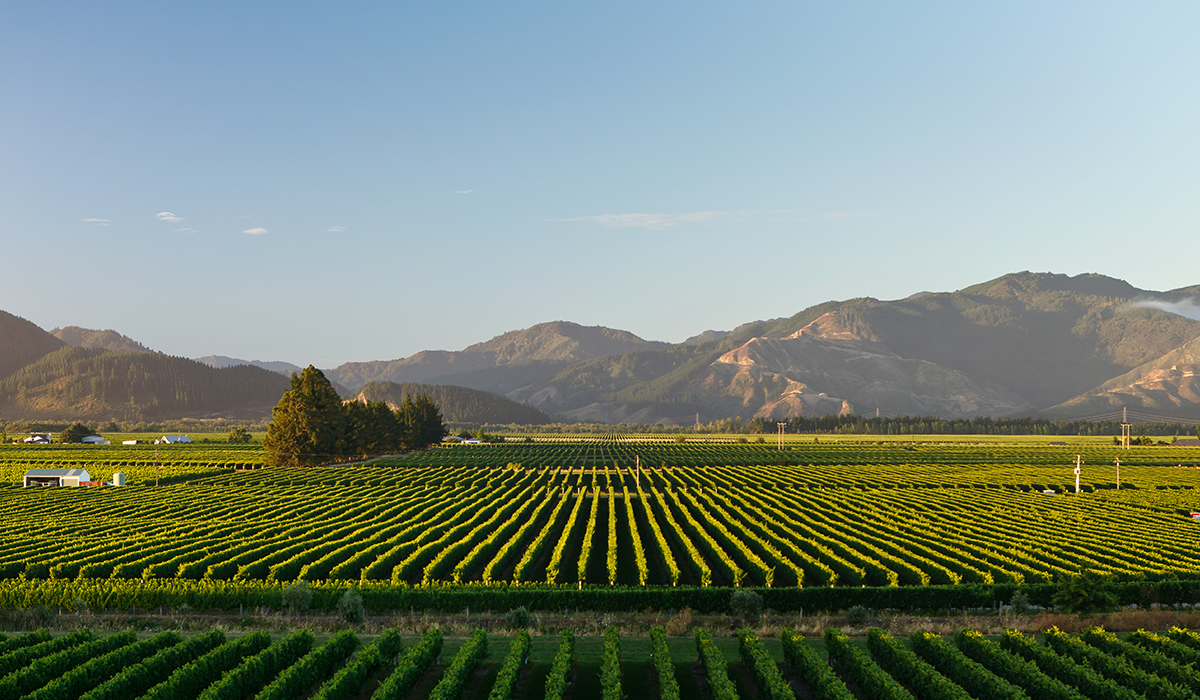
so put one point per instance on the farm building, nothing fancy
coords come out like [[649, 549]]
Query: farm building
[[173, 440], [56, 477], [94, 440], [37, 439], [1186, 442]]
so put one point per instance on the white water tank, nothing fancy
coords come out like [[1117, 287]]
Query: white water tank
[[119, 479]]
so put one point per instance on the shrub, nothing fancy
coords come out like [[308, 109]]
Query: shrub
[[297, 597], [747, 605], [350, 606], [856, 615], [1083, 594], [1019, 602], [518, 618]]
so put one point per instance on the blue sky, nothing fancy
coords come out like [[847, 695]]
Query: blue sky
[[354, 181]]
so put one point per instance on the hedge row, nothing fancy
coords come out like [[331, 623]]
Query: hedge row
[[814, 672], [137, 679], [96, 670], [1064, 669], [25, 640], [1014, 669], [510, 669], [121, 594], [22, 657], [314, 667], [715, 667], [610, 666], [660, 654], [187, 680], [858, 668], [770, 681], [560, 670], [257, 671], [411, 667], [348, 682], [464, 663], [1118, 668], [45, 669], [972, 677]]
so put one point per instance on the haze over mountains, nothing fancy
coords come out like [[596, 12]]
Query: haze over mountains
[[1023, 344]]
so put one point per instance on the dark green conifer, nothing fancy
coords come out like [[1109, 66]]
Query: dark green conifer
[[308, 425]]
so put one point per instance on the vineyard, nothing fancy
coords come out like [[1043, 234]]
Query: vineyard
[[602, 515], [1094, 665]]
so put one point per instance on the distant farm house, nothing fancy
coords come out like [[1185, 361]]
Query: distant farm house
[[1187, 442], [94, 440], [57, 477], [37, 439], [173, 440]]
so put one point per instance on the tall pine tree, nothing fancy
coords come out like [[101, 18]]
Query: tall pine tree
[[308, 425], [422, 421]]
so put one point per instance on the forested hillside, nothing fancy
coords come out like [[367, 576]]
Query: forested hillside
[[458, 404], [81, 383], [21, 342], [103, 340]]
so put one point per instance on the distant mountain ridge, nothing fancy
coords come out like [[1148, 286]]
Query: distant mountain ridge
[[1021, 344], [457, 404], [104, 340], [74, 383], [22, 342], [221, 361], [497, 363]]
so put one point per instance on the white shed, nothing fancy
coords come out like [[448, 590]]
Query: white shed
[[173, 440], [56, 477], [94, 440]]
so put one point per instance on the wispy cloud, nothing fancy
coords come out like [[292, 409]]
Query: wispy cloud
[[336, 229], [654, 222], [1188, 307], [788, 217], [659, 222], [463, 191], [97, 222], [256, 231], [168, 216]]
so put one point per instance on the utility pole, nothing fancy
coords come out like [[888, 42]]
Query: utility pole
[[1118, 461], [1078, 462], [156, 466], [782, 425], [1126, 427]]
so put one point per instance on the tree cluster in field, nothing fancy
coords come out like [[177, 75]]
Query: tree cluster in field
[[459, 404], [240, 436], [311, 425], [75, 432]]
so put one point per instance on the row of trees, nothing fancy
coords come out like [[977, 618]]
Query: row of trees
[[311, 425], [933, 425]]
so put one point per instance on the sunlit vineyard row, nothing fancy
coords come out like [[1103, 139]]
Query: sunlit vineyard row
[[818, 516]]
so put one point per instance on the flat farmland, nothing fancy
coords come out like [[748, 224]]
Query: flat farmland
[[611, 513]]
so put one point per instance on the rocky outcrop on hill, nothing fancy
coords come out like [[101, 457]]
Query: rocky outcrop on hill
[[808, 375]]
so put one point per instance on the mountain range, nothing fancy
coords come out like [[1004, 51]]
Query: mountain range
[[1023, 344]]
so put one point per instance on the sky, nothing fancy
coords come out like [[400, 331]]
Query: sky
[[331, 182]]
